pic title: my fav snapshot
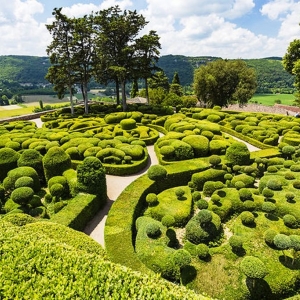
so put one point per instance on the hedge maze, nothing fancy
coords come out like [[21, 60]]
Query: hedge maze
[[212, 215]]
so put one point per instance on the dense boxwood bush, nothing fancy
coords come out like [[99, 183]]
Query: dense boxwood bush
[[289, 220], [32, 158], [151, 199], [200, 230], [55, 162], [253, 267], [128, 124], [238, 154], [13, 175], [202, 251], [202, 204], [247, 218], [269, 236], [24, 181], [22, 195], [153, 230], [199, 143], [200, 178], [245, 194], [168, 220], [157, 172], [8, 161], [236, 242], [91, 177]]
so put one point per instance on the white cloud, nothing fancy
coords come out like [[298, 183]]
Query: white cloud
[[20, 32], [81, 9], [274, 9]]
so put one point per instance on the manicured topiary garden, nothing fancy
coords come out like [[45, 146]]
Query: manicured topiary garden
[[213, 216]]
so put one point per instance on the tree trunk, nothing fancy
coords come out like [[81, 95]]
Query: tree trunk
[[86, 100], [71, 101], [124, 96], [147, 91], [118, 91]]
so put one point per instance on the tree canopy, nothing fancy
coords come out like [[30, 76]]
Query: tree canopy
[[104, 45], [223, 82]]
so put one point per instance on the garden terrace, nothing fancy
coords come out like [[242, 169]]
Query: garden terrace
[[205, 211]]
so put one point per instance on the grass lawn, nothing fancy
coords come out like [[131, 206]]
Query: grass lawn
[[269, 99]]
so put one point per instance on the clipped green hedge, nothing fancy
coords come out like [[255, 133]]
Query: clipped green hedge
[[79, 211], [120, 223], [79, 264]]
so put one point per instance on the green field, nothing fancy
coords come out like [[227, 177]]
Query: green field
[[271, 99]]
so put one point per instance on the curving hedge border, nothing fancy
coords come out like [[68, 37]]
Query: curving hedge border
[[245, 138], [119, 229]]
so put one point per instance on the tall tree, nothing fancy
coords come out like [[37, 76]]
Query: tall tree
[[175, 86], [291, 63], [116, 45], [147, 55], [222, 82], [62, 72]]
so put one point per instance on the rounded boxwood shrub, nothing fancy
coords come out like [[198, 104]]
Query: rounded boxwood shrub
[[253, 267], [272, 169], [62, 181], [202, 204], [24, 181], [22, 195], [128, 124], [289, 221], [32, 158], [55, 162], [267, 193], [289, 196], [202, 251], [74, 153], [200, 144], [269, 236], [282, 241], [249, 205], [196, 196], [91, 177], [208, 134], [157, 172], [274, 185], [215, 198], [153, 230], [56, 190], [245, 194], [268, 207], [15, 174], [8, 161], [247, 218], [137, 152], [182, 150], [168, 221], [237, 153], [246, 179], [236, 242], [151, 199], [204, 216], [289, 176], [296, 184], [214, 160], [295, 168], [182, 258], [288, 151], [167, 152]]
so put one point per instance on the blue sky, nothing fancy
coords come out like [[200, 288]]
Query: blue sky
[[223, 28]]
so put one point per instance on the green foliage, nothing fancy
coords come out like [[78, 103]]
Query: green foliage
[[17, 173], [282, 241], [8, 161], [22, 195], [202, 251], [237, 153], [233, 75], [182, 258], [236, 242], [247, 218], [55, 162], [157, 172], [289, 220], [91, 177], [24, 181], [168, 220], [153, 230], [253, 267], [128, 124], [151, 199]]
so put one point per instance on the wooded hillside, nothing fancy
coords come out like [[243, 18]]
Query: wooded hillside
[[16, 70]]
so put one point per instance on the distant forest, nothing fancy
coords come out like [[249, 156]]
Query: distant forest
[[26, 74]]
